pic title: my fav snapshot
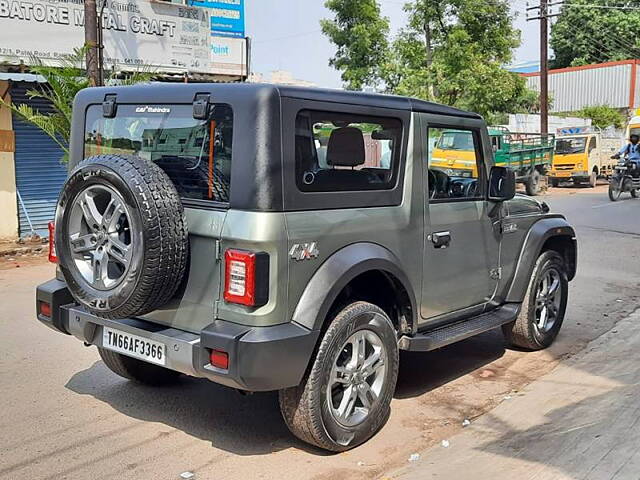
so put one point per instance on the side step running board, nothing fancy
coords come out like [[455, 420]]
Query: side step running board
[[443, 336]]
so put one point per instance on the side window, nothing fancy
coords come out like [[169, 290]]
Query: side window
[[454, 164], [592, 144], [346, 152]]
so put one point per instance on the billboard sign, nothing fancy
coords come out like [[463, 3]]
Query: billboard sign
[[227, 16], [158, 36], [229, 55]]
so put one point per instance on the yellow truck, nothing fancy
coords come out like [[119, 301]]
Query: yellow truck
[[529, 155], [583, 156]]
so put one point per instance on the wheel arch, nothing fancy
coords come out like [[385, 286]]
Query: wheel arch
[[343, 276], [553, 233]]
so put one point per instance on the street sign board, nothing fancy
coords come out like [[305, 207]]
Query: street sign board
[[227, 16], [138, 34]]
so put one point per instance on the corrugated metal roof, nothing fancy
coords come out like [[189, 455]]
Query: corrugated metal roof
[[574, 88], [22, 77]]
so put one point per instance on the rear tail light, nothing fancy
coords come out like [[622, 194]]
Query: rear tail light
[[53, 258], [219, 359], [44, 309], [246, 277]]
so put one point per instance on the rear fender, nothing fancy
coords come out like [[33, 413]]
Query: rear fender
[[337, 271]]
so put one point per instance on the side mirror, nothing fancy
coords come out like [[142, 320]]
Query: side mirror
[[502, 184]]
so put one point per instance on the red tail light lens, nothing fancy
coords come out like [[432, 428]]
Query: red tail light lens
[[53, 258], [246, 277], [219, 359], [45, 309]]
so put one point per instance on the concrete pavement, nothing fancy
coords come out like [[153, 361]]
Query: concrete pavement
[[579, 422]]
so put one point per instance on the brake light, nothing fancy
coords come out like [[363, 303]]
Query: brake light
[[246, 277], [53, 258]]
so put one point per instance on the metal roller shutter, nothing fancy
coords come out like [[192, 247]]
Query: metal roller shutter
[[39, 171]]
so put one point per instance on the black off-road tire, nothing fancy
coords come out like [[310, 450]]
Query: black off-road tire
[[137, 370], [523, 332], [533, 183], [160, 246], [304, 408]]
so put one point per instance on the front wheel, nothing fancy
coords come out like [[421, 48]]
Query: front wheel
[[543, 307], [593, 179], [345, 398], [615, 189]]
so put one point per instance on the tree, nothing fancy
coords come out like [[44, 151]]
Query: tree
[[62, 85], [583, 34], [360, 35], [453, 52], [602, 116]]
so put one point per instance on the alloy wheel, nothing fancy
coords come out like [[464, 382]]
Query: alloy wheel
[[357, 378], [100, 236]]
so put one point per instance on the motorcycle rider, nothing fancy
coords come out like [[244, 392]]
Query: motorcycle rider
[[631, 150]]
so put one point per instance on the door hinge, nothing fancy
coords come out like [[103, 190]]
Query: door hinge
[[218, 252], [495, 273]]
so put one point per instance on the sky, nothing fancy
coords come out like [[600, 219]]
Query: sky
[[286, 36]]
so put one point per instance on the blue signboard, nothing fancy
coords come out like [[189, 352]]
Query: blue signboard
[[227, 16]]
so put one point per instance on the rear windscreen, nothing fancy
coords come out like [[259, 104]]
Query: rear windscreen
[[195, 154]]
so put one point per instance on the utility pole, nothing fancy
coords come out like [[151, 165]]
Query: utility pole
[[91, 42], [543, 16]]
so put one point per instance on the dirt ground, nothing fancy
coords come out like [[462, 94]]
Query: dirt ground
[[67, 416]]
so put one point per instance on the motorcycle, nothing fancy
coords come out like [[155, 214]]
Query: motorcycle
[[625, 179]]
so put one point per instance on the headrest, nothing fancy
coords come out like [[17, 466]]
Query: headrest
[[346, 147]]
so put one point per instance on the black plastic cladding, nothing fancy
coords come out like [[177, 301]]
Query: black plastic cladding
[[257, 125]]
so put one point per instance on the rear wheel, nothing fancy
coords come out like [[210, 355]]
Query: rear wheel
[[345, 398], [533, 183], [634, 192], [543, 307], [137, 370]]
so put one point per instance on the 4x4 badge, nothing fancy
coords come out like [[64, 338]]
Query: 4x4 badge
[[304, 251]]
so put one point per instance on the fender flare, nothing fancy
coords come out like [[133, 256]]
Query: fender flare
[[337, 271], [538, 234]]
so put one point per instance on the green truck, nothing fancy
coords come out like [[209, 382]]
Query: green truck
[[530, 155]]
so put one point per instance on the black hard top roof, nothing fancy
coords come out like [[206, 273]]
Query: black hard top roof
[[372, 99], [181, 92]]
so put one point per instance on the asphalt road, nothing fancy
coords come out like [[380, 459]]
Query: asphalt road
[[64, 415]]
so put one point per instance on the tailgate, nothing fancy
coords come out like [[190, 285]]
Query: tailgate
[[193, 306]]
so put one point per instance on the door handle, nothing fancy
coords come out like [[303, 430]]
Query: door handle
[[441, 239]]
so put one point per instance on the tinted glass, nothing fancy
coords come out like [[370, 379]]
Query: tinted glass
[[454, 163], [195, 154], [345, 152]]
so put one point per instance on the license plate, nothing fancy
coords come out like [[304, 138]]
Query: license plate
[[134, 346]]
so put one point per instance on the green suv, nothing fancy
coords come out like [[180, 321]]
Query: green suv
[[291, 239]]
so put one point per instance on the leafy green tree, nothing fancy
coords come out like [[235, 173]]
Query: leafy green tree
[[583, 35], [62, 84], [360, 34], [602, 116], [453, 52]]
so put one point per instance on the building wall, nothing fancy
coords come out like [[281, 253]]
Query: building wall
[[8, 200], [614, 84]]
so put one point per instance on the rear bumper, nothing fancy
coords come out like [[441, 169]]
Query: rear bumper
[[260, 358]]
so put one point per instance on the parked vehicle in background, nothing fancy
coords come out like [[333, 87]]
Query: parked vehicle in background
[[626, 179], [583, 157], [529, 155], [634, 125], [280, 238]]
